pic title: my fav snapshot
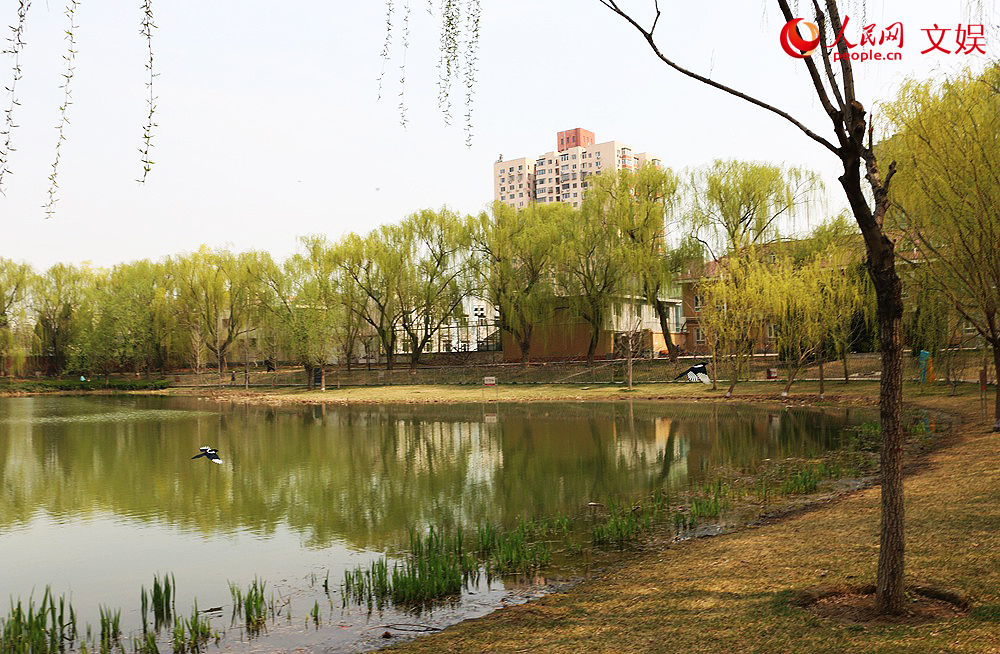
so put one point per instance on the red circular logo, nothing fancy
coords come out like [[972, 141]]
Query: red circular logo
[[795, 45]]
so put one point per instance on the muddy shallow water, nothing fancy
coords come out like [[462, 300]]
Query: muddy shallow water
[[101, 493]]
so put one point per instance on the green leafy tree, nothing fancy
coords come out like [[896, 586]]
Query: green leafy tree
[[372, 264], [514, 259], [947, 134], [15, 280], [737, 205], [591, 270], [219, 294], [58, 299], [298, 305], [635, 204], [435, 277]]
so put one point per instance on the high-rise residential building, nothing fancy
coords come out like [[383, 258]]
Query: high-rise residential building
[[560, 175]]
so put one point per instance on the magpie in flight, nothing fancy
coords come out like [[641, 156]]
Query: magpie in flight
[[697, 372], [209, 453]]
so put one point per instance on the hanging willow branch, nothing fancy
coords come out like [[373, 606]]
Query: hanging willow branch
[[147, 131], [385, 55], [69, 58], [469, 70], [16, 41], [402, 66], [458, 45]]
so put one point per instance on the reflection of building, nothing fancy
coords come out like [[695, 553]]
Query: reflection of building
[[560, 175]]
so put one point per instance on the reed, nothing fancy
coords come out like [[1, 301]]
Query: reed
[[110, 628], [38, 630], [162, 599], [254, 607], [146, 644]]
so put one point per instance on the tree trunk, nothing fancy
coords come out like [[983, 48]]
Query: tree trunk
[[663, 313], [996, 405], [822, 381], [881, 264], [792, 372], [889, 587]]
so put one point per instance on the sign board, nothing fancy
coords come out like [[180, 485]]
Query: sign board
[[489, 381]]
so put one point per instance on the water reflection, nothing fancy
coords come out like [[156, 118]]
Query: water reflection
[[98, 494], [365, 475]]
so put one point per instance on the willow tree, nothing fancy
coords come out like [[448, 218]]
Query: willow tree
[[738, 205], [514, 254], [591, 270], [436, 277], [59, 303], [14, 281], [218, 297], [948, 134], [299, 309], [736, 211], [372, 264], [735, 311], [811, 301], [635, 206]]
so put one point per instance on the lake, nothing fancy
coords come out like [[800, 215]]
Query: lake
[[100, 493]]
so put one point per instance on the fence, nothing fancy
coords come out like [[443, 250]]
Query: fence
[[952, 365]]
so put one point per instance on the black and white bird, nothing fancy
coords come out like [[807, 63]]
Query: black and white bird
[[697, 372], [209, 453]]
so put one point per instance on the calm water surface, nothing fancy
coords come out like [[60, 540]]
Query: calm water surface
[[99, 494]]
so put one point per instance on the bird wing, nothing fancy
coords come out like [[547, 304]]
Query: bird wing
[[692, 376], [705, 379]]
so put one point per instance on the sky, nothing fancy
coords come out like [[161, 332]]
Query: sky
[[271, 124]]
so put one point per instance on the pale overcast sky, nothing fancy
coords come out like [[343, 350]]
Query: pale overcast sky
[[269, 127]]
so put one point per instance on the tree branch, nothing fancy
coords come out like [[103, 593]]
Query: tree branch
[[648, 36]]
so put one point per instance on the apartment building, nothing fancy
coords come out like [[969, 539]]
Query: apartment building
[[561, 175]]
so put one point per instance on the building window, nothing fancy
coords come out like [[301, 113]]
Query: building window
[[699, 301], [699, 335]]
